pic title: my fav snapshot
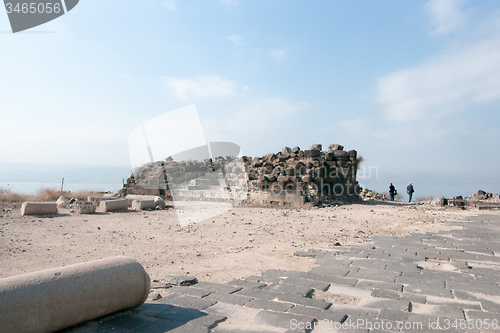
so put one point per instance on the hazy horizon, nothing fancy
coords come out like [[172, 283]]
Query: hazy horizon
[[426, 183], [412, 86]]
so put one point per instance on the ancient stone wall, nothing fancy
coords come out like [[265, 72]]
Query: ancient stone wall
[[291, 177]]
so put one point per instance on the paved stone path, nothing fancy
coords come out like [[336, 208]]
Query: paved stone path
[[408, 284]]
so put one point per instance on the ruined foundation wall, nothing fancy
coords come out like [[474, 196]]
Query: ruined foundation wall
[[291, 177]]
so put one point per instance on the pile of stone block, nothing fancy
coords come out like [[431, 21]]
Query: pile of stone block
[[290, 177], [295, 176]]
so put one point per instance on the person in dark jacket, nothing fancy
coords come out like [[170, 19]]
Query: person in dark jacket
[[410, 191], [392, 191]]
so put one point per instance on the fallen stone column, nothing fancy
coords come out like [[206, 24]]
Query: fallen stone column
[[113, 205], [143, 204], [57, 298], [38, 208]]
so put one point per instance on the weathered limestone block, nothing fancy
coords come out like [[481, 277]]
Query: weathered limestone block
[[62, 202], [113, 205], [38, 208], [84, 207], [54, 299]]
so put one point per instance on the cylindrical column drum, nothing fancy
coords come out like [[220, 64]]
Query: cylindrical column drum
[[57, 298], [113, 205], [38, 208], [143, 204]]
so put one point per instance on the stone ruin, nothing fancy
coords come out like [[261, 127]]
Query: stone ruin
[[291, 177], [482, 200]]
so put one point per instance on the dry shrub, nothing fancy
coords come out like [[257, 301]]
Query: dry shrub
[[7, 195], [45, 194], [82, 194]]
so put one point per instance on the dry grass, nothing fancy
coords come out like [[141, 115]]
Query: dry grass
[[45, 194], [7, 195]]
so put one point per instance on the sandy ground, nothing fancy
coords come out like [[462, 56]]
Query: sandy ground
[[236, 244]]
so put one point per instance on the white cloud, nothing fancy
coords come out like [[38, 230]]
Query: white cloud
[[446, 15], [280, 54], [170, 4], [449, 83], [202, 87], [236, 40]]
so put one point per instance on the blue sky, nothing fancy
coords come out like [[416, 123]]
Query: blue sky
[[412, 86]]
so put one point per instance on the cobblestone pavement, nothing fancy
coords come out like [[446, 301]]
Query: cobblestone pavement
[[407, 284]]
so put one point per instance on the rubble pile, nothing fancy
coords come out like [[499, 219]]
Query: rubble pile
[[368, 195], [289, 177], [481, 199]]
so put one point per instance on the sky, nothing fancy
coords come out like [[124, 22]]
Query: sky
[[413, 86]]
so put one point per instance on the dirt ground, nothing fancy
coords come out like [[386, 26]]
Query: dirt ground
[[238, 243]]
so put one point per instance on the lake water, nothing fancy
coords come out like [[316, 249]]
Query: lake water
[[32, 188]]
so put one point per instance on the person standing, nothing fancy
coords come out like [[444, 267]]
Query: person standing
[[410, 191], [392, 191]]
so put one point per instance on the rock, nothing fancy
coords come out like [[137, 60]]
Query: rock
[[284, 179], [335, 147], [352, 154], [159, 285], [440, 201], [154, 296], [307, 179], [340, 153], [257, 164], [481, 192], [317, 147], [271, 178], [62, 202], [296, 150], [330, 156], [159, 203], [179, 280], [84, 207], [312, 153], [290, 171]]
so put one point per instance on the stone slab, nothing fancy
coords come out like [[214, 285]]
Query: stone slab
[[269, 305], [186, 301], [279, 319]]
